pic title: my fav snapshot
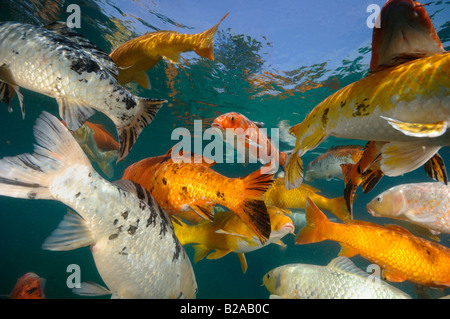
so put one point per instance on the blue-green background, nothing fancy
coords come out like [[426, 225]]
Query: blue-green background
[[301, 51]]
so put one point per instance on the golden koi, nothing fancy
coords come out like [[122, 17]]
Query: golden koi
[[409, 109], [401, 255], [136, 56], [227, 233], [277, 195]]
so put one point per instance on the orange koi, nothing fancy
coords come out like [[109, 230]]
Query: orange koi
[[29, 286], [406, 32], [401, 255], [138, 55], [184, 186], [251, 142]]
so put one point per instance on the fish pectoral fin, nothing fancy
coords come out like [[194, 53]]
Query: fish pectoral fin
[[347, 251], [142, 79], [71, 233], [6, 94], [393, 276], [221, 231], [173, 58], [91, 289], [280, 243], [219, 253], [8, 87], [73, 113], [418, 129], [293, 171], [243, 262], [204, 211], [399, 158], [200, 252]]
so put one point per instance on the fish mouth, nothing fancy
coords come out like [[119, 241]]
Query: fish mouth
[[371, 212], [216, 125], [289, 228]]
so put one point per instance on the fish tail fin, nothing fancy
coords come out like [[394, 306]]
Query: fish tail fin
[[352, 179], [370, 179], [316, 223], [339, 208], [293, 170], [31, 175], [435, 169], [106, 165], [205, 45], [252, 209], [129, 134]]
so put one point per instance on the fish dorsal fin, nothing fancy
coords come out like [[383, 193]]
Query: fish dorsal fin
[[71, 233], [99, 55], [345, 265]]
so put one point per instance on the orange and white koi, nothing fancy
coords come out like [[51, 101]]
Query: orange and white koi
[[181, 185], [248, 139], [408, 109], [136, 56], [405, 32], [401, 255]]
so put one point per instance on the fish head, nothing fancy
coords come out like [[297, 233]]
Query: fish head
[[29, 286], [405, 31], [272, 280], [280, 223], [232, 120], [391, 203]]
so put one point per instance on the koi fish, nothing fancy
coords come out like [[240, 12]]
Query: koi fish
[[227, 233], [424, 204], [406, 32], [277, 195], [29, 286], [340, 279], [132, 240], [248, 138], [328, 165], [401, 255], [98, 144], [409, 109], [136, 56], [55, 61], [181, 185]]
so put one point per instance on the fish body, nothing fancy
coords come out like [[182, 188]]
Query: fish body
[[424, 204], [340, 279], [409, 109], [248, 138], [29, 286], [328, 165], [138, 55], [405, 32], [57, 62], [395, 250], [227, 233], [132, 240], [181, 185], [277, 195]]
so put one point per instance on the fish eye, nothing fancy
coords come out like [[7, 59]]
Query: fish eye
[[268, 276], [379, 199], [232, 118]]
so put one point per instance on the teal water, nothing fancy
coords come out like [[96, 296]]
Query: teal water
[[272, 63]]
